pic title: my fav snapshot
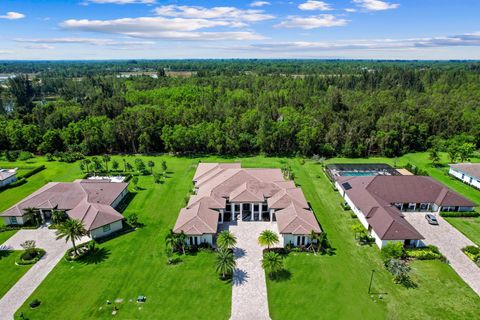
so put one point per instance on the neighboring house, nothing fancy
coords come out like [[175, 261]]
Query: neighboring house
[[7, 176], [467, 172], [380, 203], [227, 192], [92, 202]]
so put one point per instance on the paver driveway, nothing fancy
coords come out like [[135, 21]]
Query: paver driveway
[[55, 249], [249, 290], [450, 241]]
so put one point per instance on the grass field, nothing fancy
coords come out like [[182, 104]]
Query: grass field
[[320, 287], [10, 273], [468, 226]]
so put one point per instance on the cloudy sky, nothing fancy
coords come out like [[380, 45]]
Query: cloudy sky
[[125, 29]]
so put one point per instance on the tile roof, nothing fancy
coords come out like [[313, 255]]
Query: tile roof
[[215, 183], [295, 219], [85, 200], [470, 169]]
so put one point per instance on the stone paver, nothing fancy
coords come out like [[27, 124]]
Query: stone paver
[[249, 289], [21, 291], [450, 241]]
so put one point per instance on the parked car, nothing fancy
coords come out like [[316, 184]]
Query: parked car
[[431, 219]]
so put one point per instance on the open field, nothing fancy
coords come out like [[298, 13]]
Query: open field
[[320, 286], [10, 273], [468, 226]]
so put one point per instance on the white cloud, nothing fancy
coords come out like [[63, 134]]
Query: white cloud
[[220, 13], [13, 16], [350, 10], [376, 5], [86, 2], [92, 41], [315, 5], [40, 46], [259, 3], [312, 22]]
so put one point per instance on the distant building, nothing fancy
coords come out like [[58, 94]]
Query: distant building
[[466, 172], [89, 201], [7, 176]]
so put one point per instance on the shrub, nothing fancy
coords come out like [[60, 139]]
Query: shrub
[[473, 253], [400, 271], [25, 155], [393, 250], [34, 303], [463, 214], [33, 171], [132, 220], [345, 206], [30, 256], [426, 253]]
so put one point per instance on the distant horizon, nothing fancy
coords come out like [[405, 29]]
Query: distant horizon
[[240, 59]]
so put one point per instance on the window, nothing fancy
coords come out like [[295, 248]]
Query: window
[[106, 228], [13, 220]]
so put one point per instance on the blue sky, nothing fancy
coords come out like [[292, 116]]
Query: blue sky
[[125, 29]]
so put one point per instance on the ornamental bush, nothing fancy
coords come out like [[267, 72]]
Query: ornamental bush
[[393, 250]]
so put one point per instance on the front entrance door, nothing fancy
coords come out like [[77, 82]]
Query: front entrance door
[[300, 240]]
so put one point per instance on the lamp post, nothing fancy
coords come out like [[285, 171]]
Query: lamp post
[[371, 280]]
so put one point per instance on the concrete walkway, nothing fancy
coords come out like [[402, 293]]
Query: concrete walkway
[[249, 290], [450, 242], [21, 291]]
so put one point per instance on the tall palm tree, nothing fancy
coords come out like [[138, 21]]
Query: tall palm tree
[[71, 229], [314, 241], [272, 263], [171, 239], [32, 215], [226, 240], [268, 238], [225, 263], [182, 237]]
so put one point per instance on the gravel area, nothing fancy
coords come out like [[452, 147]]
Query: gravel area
[[249, 289], [21, 291], [450, 241]]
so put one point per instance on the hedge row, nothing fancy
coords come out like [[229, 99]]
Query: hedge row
[[463, 214], [426, 253], [32, 172]]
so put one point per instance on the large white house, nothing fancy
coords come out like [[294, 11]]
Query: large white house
[[466, 172], [92, 202], [7, 176], [225, 193], [381, 203]]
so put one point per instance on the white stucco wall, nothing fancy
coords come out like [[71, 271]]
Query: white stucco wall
[[466, 178], [119, 198], [7, 220], [293, 239], [98, 233]]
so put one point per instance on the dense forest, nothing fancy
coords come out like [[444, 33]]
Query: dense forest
[[306, 107]]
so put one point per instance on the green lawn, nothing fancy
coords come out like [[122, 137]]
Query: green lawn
[[320, 286], [134, 264], [335, 287], [10, 273], [468, 226]]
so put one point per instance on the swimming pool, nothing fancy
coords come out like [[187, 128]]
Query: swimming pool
[[358, 173]]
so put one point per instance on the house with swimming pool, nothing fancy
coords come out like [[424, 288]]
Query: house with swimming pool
[[226, 193], [381, 202]]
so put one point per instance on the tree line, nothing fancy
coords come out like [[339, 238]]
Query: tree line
[[340, 108]]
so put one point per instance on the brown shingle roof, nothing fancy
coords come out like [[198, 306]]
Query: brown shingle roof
[[85, 200], [295, 219]]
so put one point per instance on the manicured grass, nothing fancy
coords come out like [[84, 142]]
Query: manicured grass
[[468, 226], [4, 236], [134, 264], [10, 273], [336, 287]]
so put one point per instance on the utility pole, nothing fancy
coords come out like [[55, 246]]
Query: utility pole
[[371, 280]]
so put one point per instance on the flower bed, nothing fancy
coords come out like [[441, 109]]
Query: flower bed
[[82, 250], [426, 253], [30, 257], [473, 253]]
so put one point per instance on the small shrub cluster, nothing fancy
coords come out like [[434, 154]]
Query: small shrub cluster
[[25, 155], [427, 253], [473, 253], [30, 256], [463, 214], [34, 303], [362, 235], [415, 170], [345, 206], [82, 250]]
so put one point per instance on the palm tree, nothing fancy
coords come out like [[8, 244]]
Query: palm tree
[[32, 215], [151, 164], [268, 238], [226, 240], [57, 216], [171, 239], [314, 241], [182, 237], [106, 158], [272, 263], [225, 263], [71, 229]]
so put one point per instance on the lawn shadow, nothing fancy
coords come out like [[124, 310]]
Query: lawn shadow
[[5, 253], [126, 201], [281, 276], [409, 284], [239, 277], [96, 256]]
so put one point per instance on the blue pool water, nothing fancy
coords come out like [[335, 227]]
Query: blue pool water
[[358, 173]]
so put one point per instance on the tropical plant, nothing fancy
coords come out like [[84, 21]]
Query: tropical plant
[[72, 230], [115, 165], [182, 238], [393, 250], [268, 238], [225, 263], [151, 164], [33, 215], [176, 240], [272, 263], [58, 216], [164, 166], [132, 220], [135, 181], [87, 164], [400, 271], [106, 159], [434, 156], [226, 240], [157, 177]]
